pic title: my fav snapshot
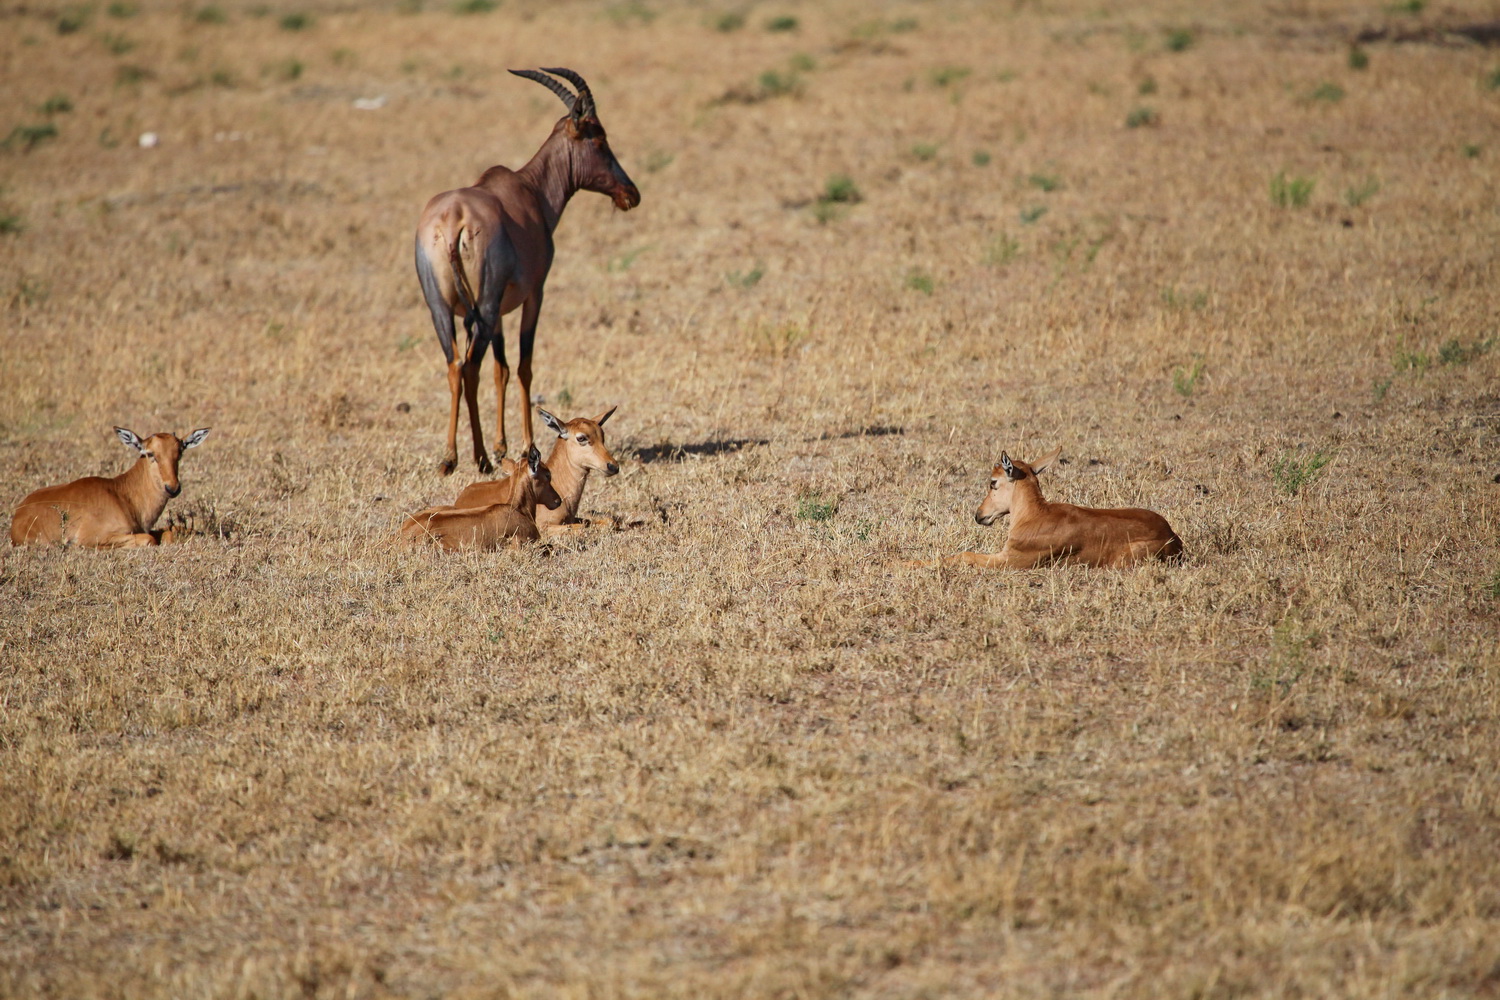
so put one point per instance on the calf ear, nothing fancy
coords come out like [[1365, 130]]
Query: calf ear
[[552, 422], [607, 414], [1011, 472], [195, 439], [534, 459], [131, 439], [1046, 463]]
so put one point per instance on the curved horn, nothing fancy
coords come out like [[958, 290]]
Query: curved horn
[[584, 94], [552, 85]]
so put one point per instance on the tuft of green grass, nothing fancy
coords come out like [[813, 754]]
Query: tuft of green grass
[[1379, 388], [1359, 59], [774, 83], [1291, 192], [1357, 196], [784, 22], [947, 76], [840, 189], [1180, 40], [920, 281], [1492, 588], [1492, 79], [57, 104], [296, 21], [1045, 182], [466, 7], [1411, 360], [1032, 213], [1407, 6], [1147, 87], [925, 151], [729, 21], [1173, 299], [284, 69], [981, 158], [1326, 93], [210, 14], [1455, 352], [11, 224], [1142, 117], [117, 44], [746, 279], [28, 137], [801, 62], [129, 76], [1185, 380], [1001, 250], [1293, 472], [1470, 150], [73, 19], [816, 507], [121, 11]]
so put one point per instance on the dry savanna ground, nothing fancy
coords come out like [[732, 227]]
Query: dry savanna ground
[[1239, 262]]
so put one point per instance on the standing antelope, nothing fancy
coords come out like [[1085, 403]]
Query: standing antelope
[[485, 526], [112, 513], [484, 250], [1043, 533], [578, 450]]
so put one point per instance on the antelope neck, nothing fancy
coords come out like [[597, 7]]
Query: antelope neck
[[550, 173], [135, 486], [567, 479]]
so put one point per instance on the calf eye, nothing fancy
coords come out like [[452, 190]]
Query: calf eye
[[583, 439]]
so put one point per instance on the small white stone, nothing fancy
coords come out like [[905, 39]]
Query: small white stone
[[369, 103], [148, 140]]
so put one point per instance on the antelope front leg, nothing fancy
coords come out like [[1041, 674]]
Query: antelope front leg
[[529, 314], [455, 387], [502, 377]]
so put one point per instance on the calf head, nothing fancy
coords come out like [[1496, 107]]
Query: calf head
[[1003, 481], [163, 451], [539, 481], [582, 439]]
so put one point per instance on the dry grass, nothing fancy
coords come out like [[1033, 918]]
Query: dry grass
[[737, 753]]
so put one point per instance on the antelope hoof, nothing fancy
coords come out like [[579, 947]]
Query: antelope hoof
[[446, 466], [485, 467]]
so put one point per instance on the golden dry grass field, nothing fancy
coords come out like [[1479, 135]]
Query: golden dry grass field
[[741, 751]]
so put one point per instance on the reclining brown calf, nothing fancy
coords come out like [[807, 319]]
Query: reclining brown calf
[[578, 450], [112, 513], [486, 526], [1044, 533]]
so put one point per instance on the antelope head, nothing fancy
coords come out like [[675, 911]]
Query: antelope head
[[1003, 480], [584, 439], [591, 163], [539, 480], [163, 451]]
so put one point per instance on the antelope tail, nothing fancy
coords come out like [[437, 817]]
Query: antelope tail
[[461, 282]]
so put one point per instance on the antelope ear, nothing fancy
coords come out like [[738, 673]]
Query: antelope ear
[[534, 459], [1046, 463], [195, 439], [607, 414], [131, 439], [552, 422], [1011, 472]]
